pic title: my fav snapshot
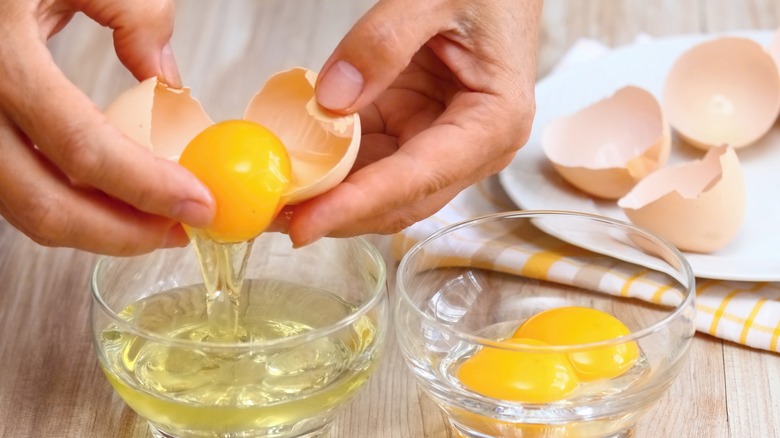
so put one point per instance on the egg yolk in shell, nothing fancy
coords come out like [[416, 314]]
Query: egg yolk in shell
[[247, 169], [581, 325], [519, 375]]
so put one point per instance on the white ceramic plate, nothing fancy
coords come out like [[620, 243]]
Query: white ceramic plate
[[530, 181]]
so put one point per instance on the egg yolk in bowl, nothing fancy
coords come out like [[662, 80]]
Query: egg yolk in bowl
[[544, 375], [583, 325], [519, 375]]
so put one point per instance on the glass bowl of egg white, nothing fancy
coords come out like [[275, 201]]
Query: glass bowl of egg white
[[544, 323], [273, 352]]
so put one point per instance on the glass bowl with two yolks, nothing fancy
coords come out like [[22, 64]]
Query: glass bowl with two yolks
[[544, 323]]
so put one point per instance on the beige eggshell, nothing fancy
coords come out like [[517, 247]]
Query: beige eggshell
[[699, 205], [322, 145], [161, 118], [605, 148], [723, 91]]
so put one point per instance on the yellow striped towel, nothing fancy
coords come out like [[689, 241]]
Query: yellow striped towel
[[743, 312]]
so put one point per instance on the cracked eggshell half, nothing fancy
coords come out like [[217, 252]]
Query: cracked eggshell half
[[322, 145], [698, 205], [605, 148], [161, 118], [723, 91]]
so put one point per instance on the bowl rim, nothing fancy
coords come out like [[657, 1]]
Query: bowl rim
[[377, 294], [686, 304]]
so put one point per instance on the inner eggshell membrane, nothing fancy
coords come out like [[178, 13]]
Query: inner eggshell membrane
[[605, 148], [322, 145], [162, 119], [698, 205], [723, 91]]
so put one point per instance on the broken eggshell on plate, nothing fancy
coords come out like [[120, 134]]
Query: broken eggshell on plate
[[723, 91], [697, 205], [605, 148], [322, 145]]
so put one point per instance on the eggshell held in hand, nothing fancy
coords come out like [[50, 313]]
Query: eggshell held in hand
[[605, 148], [723, 91], [322, 145], [160, 118], [699, 206]]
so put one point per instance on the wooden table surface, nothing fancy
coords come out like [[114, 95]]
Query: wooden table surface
[[50, 384]]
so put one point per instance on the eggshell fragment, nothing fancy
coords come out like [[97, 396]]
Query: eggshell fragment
[[605, 148], [161, 118], [322, 145], [698, 205], [723, 91]]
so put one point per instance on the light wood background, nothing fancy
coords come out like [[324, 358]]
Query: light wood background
[[50, 385]]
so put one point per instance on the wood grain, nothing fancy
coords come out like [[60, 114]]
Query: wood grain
[[50, 385]]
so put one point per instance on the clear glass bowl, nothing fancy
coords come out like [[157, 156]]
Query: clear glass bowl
[[315, 320], [471, 285]]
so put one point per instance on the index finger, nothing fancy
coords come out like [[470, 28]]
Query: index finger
[[447, 157], [72, 132]]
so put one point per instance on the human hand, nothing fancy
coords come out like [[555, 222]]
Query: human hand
[[67, 176], [444, 89]]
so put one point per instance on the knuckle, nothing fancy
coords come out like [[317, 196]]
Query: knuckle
[[512, 121], [432, 180], [381, 35], [436, 181], [161, 12], [499, 163], [522, 101], [142, 197], [504, 160], [127, 247], [151, 13], [524, 120], [401, 220], [162, 9], [47, 223], [78, 158]]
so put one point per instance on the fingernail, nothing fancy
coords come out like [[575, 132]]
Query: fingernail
[[297, 244], [308, 241], [169, 68], [193, 213], [340, 87]]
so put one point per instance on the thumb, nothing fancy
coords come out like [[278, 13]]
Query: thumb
[[142, 31], [374, 52]]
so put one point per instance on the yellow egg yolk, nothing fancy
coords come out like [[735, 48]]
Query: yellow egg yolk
[[247, 169], [516, 375], [580, 325]]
